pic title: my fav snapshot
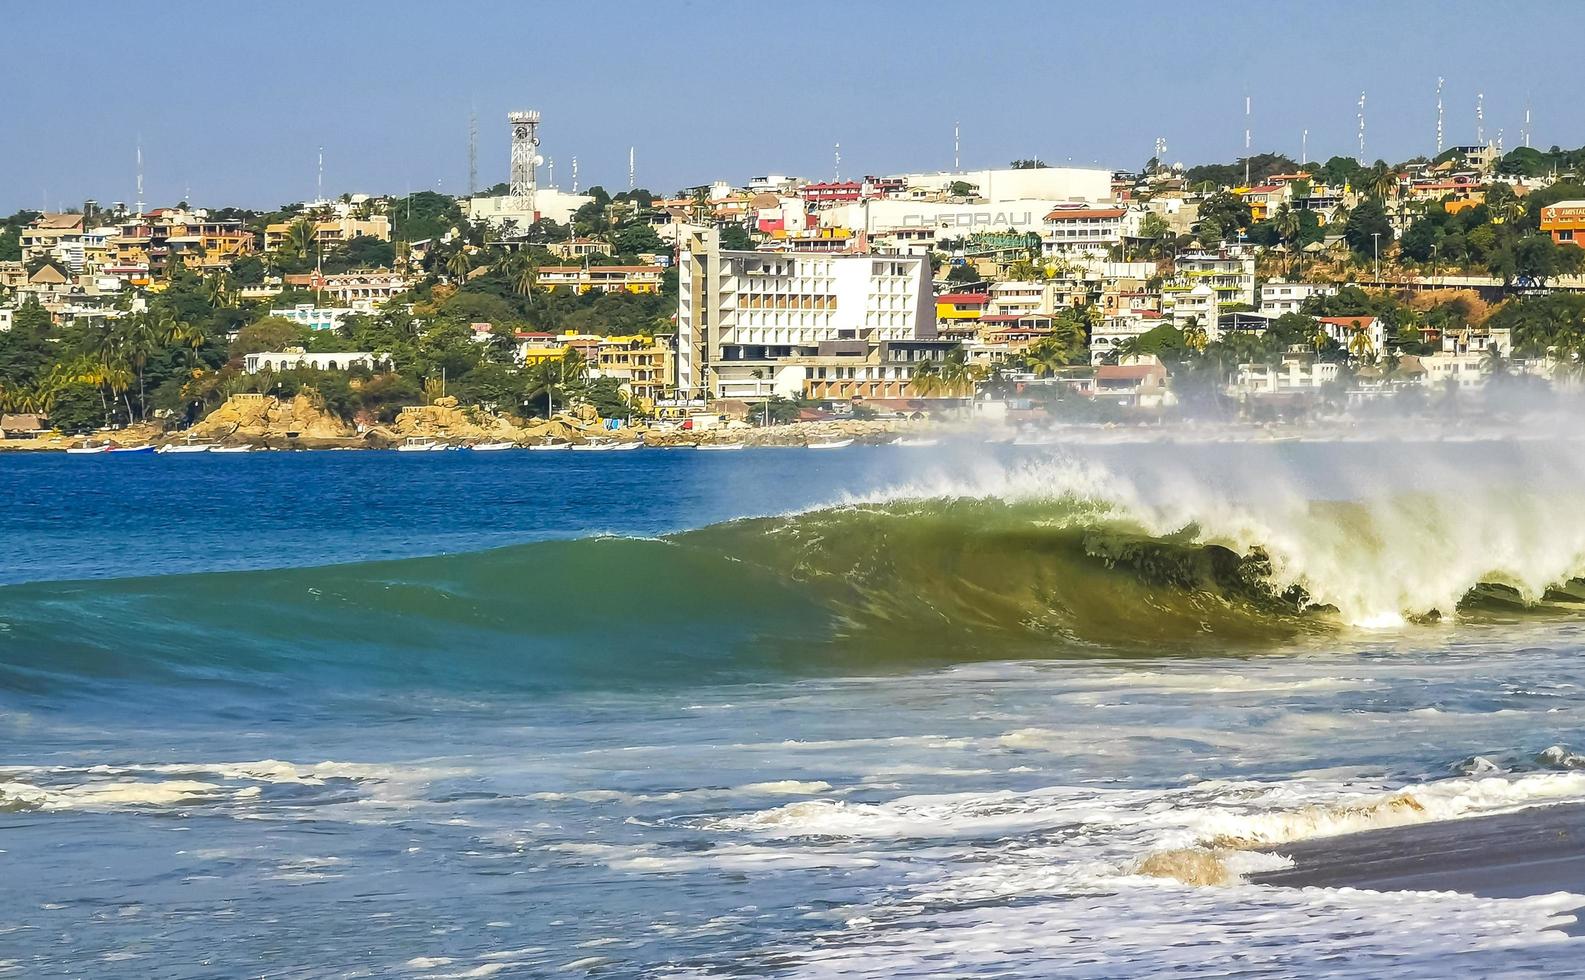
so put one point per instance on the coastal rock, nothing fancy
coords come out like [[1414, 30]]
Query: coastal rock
[[261, 418]]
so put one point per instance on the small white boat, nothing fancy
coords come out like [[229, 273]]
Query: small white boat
[[87, 449], [720, 447], [419, 444], [622, 447], [186, 447], [833, 444], [131, 449], [237, 449], [917, 443], [492, 447], [549, 447]]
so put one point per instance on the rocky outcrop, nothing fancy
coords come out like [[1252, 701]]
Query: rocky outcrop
[[267, 420]]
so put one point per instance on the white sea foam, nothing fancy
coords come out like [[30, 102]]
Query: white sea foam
[[1416, 535]]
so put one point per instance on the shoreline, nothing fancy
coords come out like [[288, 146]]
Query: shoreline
[[1539, 850]]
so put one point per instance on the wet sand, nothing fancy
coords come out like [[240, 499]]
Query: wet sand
[[1532, 852]]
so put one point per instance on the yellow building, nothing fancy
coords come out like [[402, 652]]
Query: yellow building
[[959, 307], [331, 232], [640, 364]]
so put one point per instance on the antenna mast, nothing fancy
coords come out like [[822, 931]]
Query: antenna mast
[[632, 172], [140, 177], [955, 164], [575, 175], [1439, 81], [1246, 140], [525, 159], [473, 152], [1480, 118], [1362, 127], [320, 185], [837, 152]]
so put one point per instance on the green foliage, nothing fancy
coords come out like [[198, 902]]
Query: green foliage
[[1260, 166], [424, 215], [964, 273], [271, 334], [1337, 171], [736, 237], [77, 408], [1367, 227], [1222, 216], [636, 238]]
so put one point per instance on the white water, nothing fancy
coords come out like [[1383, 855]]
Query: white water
[[1402, 531]]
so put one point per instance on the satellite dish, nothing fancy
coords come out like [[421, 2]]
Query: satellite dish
[[538, 160]]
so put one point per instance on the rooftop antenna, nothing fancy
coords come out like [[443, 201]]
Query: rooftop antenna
[[473, 151], [1161, 151], [575, 175], [551, 164], [1480, 118], [1362, 127], [632, 173], [955, 164], [1439, 81], [1246, 139]]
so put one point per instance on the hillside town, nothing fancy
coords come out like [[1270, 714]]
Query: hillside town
[[1265, 289]]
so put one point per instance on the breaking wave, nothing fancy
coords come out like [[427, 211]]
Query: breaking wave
[[1049, 560]]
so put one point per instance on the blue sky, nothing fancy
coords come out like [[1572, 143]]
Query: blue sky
[[232, 100]]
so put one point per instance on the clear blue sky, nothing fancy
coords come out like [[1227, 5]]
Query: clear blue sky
[[232, 100]]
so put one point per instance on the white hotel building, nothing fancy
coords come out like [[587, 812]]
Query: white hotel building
[[752, 324]]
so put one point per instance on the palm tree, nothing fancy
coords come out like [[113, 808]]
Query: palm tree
[[524, 274], [1045, 357], [459, 265], [1360, 344], [1194, 335], [300, 239], [1127, 349], [1380, 182], [926, 380]]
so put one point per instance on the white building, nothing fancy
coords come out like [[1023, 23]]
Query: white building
[[753, 324], [314, 317], [1075, 231], [1293, 375], [1230, 273], [1278, 297], [1040, 183], [504, 212], [1195, 305], [946, 219], [298, 358], [1113, 331]]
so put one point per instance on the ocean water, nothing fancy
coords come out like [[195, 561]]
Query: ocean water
[[970, 711]]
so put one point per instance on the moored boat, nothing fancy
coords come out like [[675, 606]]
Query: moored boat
[[832, 444], [420, 444]]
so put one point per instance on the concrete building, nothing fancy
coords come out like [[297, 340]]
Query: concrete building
[[1073, 230], [754, 324], [506, 214], [1059, 184], [1229, 272], [1113, 331], [1565, 222], [296, 357], [1278, 297], [1294, 375], [603, 278], [331, 232], [372, 286]]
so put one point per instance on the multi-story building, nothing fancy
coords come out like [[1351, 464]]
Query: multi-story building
[[1565, 222], [370, 286], [1278, 297], [754, 324], [1114, 331], [48, 233], [642, 365], [961, 307], [603, 278], [1230, 273], [331, 232], [1084, 231], [166, 236]]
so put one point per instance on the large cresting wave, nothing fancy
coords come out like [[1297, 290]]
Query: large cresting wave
[[1044, 561]]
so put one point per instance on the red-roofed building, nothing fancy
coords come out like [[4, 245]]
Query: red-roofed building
[[1087, 231], [1344, 329], [961, 306], [1131, 384]]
